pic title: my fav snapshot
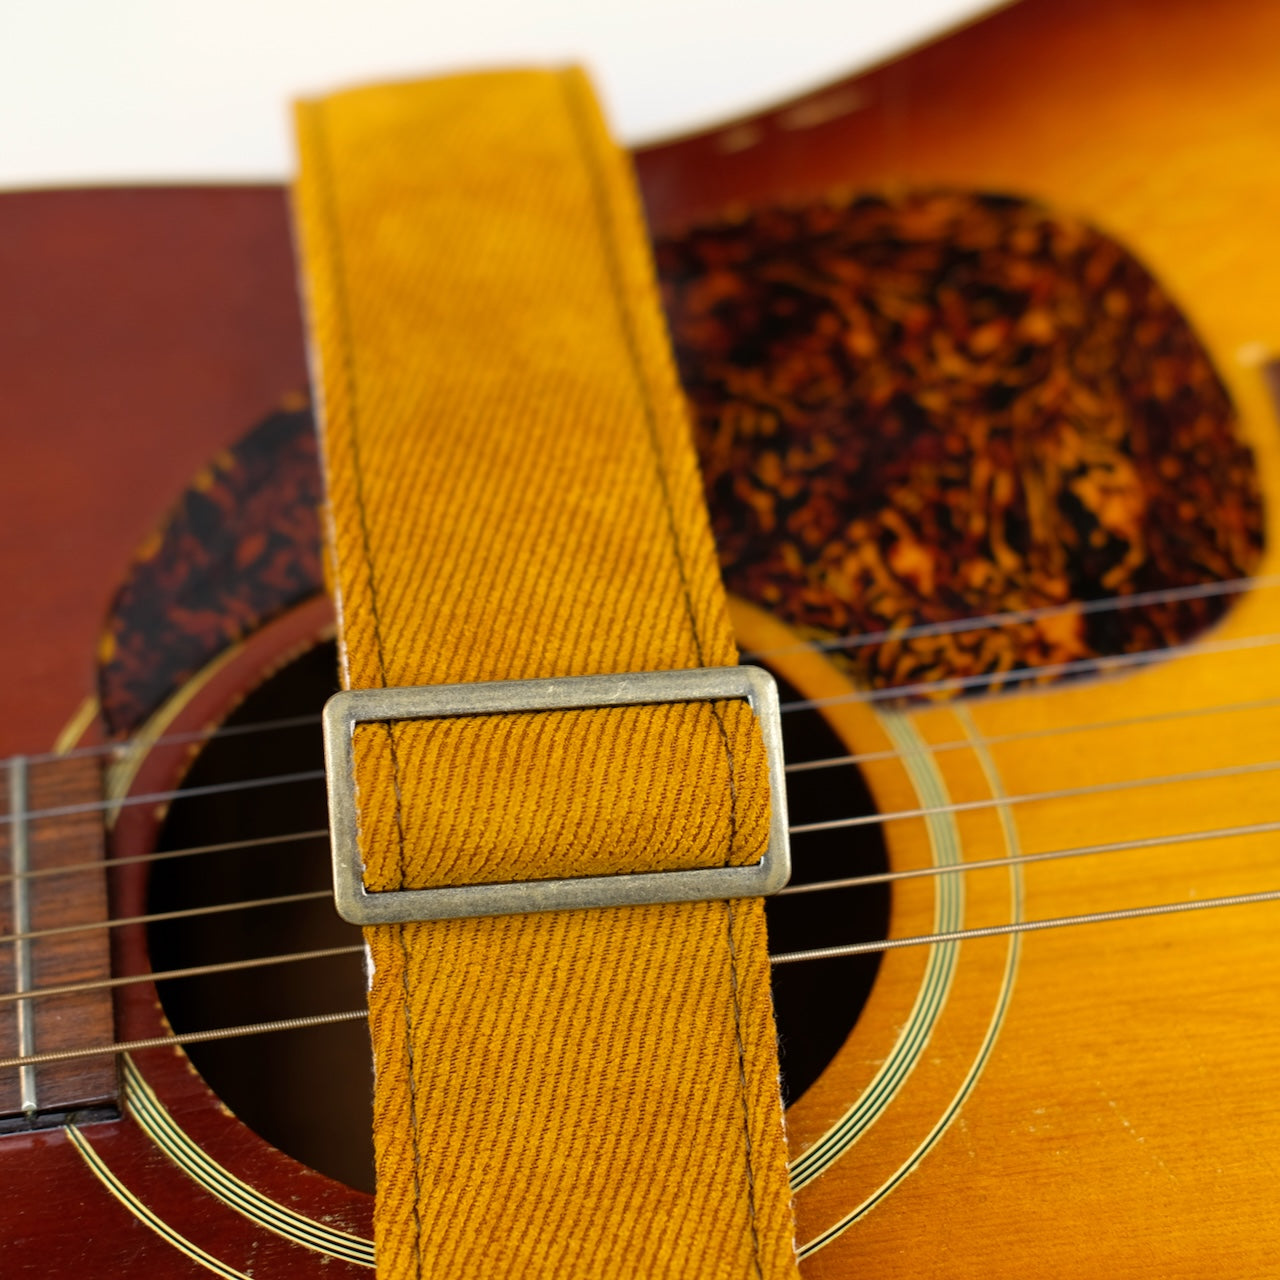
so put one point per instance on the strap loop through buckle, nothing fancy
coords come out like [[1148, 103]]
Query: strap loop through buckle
[[344, 711]]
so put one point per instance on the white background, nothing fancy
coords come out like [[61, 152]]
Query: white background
[[139, 90]]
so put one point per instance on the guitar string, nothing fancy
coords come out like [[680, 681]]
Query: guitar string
[[1027, 926], [191, 971], [950, 684], [997, 681], [224, 846], [185, 913], [157, 797], [1015, 617], [191, 1037], [983, 622], [1033, 797], [870, 819], [788, 957], [132, 746], [800, 766], [1049, 855], [1028, 735], [860, 881]]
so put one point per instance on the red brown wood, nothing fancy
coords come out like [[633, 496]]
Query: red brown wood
[[142, 331]]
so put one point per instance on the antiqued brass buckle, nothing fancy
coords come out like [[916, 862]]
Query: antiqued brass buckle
[[344, 711]]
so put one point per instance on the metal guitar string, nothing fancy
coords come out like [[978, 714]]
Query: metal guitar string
[[132, 746], [187, 913], [191, 1037], [948, 685], [225, 846], [788, 957], [1028, 735], [983, 622], [1021, 859], [820, 886], [1028, 926], [800, 766], [191, 971], [157, 797], [997, 680], [870, 819], [1032, 797], [1015, 617]]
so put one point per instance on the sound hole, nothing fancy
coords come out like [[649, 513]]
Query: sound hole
[[308, 1092]]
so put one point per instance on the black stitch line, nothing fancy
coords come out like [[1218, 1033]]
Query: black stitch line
[[613, 266], [614, 269], [742, 1080], [325, 185], [737, 1004]]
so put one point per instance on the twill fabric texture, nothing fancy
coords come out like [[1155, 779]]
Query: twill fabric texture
[[513, 494]]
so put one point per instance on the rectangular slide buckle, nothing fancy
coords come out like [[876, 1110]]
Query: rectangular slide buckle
[[344, 711]]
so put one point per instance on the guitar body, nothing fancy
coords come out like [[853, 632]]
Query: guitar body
[[981, 335]]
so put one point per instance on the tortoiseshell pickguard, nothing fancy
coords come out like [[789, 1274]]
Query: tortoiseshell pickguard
[[931, 406], [909, 410], [241, 546]]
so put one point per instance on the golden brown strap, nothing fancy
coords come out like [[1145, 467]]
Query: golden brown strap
[[513, 494]]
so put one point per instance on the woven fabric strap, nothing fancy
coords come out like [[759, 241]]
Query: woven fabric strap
[[513, 494]]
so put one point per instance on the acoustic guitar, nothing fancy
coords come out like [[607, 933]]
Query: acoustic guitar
[[979, 354]]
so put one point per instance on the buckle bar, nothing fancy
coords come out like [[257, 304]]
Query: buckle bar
[[344, 711]]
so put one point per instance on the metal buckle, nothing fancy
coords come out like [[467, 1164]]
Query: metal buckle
[[358, 706]]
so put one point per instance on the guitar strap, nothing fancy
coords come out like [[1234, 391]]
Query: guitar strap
[[513, 495]]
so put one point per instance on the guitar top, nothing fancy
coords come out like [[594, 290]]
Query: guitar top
[[981, 355]]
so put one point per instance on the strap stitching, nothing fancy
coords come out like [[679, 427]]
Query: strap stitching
[[613, 267], [315, 113], [742, 1080]]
